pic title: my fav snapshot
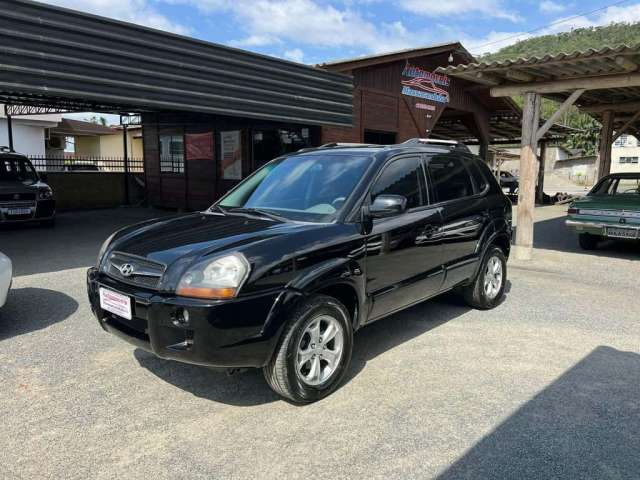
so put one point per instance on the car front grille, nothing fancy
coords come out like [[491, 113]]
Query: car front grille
[[16, 204], [10, 197], [135, 270]]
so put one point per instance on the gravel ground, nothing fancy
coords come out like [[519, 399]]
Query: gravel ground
[[545, 386]]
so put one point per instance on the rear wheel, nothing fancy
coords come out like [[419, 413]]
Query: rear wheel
[[487, 289], [588, 241], [314, 351]]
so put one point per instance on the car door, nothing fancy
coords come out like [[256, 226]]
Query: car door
[[464, 214], [403, 252]]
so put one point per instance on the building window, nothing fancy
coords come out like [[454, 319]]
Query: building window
[[171, 153], [628, 160]]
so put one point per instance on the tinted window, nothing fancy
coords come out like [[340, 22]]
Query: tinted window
[[313, 187], [450, 178], [478, 175], [402, 177]]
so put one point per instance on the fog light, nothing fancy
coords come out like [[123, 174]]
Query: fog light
[[181, 317]]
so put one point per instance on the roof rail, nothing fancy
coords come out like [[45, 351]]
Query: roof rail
[[4, 149], [361, 145], [453, 144]]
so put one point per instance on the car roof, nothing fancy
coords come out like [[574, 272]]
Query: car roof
[[385, 150]]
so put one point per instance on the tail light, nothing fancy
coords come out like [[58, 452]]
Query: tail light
[[573, 211]]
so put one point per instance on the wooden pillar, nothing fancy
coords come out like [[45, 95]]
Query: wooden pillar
[[541, 165], [604, 144], [528, 168], [484, 151]]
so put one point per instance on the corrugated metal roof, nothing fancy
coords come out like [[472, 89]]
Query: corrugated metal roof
[[52, 55], [550, 60], [592, 63]]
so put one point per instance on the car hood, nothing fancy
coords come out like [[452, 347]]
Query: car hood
[[618, 202], [167, 240]]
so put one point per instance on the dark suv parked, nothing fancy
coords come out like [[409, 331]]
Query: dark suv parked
[[24, 197], [281, 271]]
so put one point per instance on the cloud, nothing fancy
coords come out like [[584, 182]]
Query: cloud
[[134, 11], [549, 6], [295, 55], [489, 8]]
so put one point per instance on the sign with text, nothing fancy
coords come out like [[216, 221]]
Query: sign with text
[[426, 85], [231, 155]]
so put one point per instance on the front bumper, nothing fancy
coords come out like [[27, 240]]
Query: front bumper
[[40, 210], [231, 334], [595, 227]]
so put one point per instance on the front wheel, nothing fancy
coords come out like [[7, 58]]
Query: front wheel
[[487, 290], [314, 352]]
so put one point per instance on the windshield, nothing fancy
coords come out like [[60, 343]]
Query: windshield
[[17, 169], [618, 186], [312, 188]]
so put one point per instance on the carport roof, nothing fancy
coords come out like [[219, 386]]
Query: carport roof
[[609, 74], [52, 56]]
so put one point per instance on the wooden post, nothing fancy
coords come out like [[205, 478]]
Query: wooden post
[[541, 166], [604, 144], [527, 192]]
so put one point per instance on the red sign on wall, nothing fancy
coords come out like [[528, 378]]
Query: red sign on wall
[[199, 146]]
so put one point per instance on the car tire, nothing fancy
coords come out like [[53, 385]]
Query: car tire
[[588, 241], [487, 289], [296, 375]]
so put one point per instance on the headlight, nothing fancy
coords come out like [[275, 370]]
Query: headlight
[[215, 279], [45, 194]]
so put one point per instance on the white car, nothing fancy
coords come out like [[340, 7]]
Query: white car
[[5, 278]]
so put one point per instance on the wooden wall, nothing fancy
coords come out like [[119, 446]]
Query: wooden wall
[[378, 104]]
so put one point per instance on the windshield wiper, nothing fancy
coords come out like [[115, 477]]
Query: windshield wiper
[[258, 211]]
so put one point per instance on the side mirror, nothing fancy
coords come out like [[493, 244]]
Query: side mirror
[[384, 206]]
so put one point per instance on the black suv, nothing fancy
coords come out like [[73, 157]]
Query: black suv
[[24, 197], [281, 271]]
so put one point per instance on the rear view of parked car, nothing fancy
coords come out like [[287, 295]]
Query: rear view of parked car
[[24, 196], [610, 210], [282, 271]]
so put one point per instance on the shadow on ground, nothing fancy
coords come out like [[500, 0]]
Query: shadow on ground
[[584, 425], [31, 309], [553, 234], [250, 388], [74, 242]]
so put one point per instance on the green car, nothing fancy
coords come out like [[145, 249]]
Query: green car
[[610, 210]]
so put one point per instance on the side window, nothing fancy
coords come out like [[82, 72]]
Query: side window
[[449, 177], [403, 177], [478, 175]]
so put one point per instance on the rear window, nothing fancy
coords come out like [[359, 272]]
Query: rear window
[[614, 186]]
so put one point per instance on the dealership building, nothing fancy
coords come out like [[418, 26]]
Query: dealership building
[[211, 114]]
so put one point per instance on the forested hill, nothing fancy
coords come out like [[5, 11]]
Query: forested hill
[[568, 42]]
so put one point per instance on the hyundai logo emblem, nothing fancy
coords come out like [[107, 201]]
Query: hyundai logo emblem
[[16, 196], [623, 220], [126, 269]]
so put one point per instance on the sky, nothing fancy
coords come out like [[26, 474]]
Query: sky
[[314, 31]]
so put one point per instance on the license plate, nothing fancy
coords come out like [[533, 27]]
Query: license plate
[[19, 211], [616, 232], [115, 303]]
